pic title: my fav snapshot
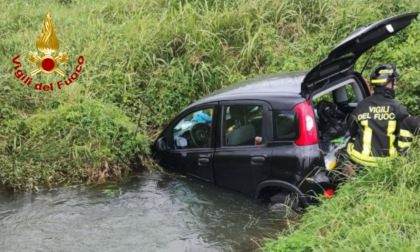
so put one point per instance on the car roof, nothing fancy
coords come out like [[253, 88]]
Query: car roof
[[268, 87]]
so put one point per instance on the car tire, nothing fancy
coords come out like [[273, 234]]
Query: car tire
[[289, 199]]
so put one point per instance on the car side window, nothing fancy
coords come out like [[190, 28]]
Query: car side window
[[286, 125], [193, 130], [351, 94], [242, 125]]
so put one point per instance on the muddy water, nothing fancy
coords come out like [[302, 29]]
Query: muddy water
[[151, 212]]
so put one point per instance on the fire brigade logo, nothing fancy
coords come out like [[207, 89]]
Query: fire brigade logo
[[48, 43]]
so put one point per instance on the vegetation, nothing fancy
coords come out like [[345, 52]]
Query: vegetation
[[88, 140], [146, 60], [376, 211]]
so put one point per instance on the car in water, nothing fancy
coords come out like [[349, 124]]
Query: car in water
[[263, 137]]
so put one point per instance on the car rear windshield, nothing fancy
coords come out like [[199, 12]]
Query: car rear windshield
[[285, 125]]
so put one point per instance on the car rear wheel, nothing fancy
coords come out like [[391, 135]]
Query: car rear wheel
[[289, 199]]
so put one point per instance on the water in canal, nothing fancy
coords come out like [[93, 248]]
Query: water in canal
[[151, 212]]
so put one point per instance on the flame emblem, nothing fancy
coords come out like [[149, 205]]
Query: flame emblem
[[48, 43]]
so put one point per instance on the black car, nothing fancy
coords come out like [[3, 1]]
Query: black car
[[270, 137]]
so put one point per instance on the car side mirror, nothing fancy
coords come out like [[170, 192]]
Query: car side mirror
[[181, 142], [161, 144]]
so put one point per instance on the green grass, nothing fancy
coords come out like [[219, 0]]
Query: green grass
[[146, 60], [377, 210], [88, 141]]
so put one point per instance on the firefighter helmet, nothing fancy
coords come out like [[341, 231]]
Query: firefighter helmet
[[383, 74]]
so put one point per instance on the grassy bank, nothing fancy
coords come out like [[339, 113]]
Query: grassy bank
[[376, 211], [146, 60]]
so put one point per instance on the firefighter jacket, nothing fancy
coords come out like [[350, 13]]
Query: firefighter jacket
[[374, 126]]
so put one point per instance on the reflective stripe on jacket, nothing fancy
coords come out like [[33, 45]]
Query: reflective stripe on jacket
[[409, 129], [405, 139]]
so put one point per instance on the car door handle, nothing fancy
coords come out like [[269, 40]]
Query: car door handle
[[259, 160], [203, 161]]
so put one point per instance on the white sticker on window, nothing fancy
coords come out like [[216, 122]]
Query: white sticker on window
[[390, 28]]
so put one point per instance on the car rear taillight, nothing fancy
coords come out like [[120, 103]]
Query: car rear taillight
[[328, 193], [307, 128]]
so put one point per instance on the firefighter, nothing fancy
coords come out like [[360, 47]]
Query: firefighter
[[410, 127], [374, 124]]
